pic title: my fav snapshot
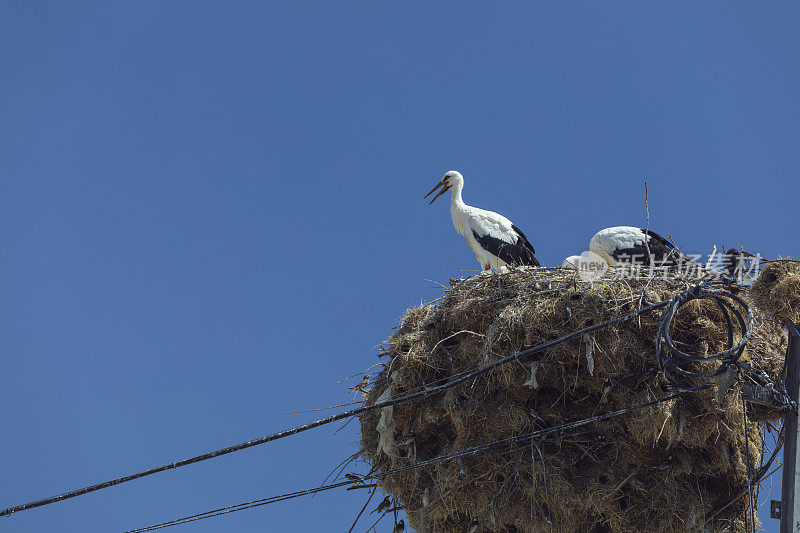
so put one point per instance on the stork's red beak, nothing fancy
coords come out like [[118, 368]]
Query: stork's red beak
[[444, 190]]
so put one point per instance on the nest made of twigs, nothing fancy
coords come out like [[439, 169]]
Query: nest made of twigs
[[664, 468], [777, 290]]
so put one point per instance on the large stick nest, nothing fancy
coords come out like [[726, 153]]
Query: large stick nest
[[664, 468], [777, 290]]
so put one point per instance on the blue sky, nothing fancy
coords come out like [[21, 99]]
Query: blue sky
[[211, 211]]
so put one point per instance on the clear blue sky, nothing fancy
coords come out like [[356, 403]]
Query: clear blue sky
[[211, 211]]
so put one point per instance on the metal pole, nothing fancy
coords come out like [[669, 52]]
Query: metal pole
[[790, 488]]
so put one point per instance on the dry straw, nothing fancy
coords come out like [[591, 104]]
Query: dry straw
[[664, 468], [777, 290]]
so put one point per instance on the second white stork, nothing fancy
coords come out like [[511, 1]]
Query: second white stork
[[627, 244], [497, 242]]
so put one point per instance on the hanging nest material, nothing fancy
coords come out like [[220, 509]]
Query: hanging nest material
[[777, 290], [668, 467]]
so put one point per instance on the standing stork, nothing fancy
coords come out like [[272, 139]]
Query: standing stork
[[497, 242], [626, 244]]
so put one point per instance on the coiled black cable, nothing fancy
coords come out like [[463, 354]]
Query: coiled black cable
[[669, 356]]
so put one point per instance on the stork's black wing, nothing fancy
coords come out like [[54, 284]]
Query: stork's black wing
[[658, 241], [525, 243], [518, 253], [662, 250]]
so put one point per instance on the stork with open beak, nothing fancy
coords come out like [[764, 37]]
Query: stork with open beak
[[496, 242]]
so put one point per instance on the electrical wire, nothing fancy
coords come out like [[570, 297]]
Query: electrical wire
[[510, 442], [761, 474], [671, 306], [333, 418], [751, 500], [241, 507]]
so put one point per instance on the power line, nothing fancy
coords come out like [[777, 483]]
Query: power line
[[333, 418], [750, 500], [673, 303], [240, 507], [516, 440], [761, 474]]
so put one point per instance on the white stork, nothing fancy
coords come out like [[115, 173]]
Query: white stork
[[497, 242], [626, 244]]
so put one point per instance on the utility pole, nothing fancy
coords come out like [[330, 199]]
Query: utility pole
[[790, 488]]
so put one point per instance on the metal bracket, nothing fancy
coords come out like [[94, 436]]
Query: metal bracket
[[766, 396], [775, 509]]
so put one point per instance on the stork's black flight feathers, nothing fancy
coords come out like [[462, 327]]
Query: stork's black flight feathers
[[519, 253], [659, 248]]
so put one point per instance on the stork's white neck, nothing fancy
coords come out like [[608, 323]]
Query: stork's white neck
[[455, 196], [458, 209]]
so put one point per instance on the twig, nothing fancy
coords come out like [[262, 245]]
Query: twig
[[376, 522], [711, 257], [750, 501], [453, 335], [533, 488], [362, 511], [647, 246], [586, 453], [546, 492], [341, 465], [647, 221], [344, 425], [359, 373], [321, 408], [442, 285], [622, 484]]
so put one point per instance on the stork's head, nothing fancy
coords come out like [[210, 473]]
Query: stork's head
[[453, 179]]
